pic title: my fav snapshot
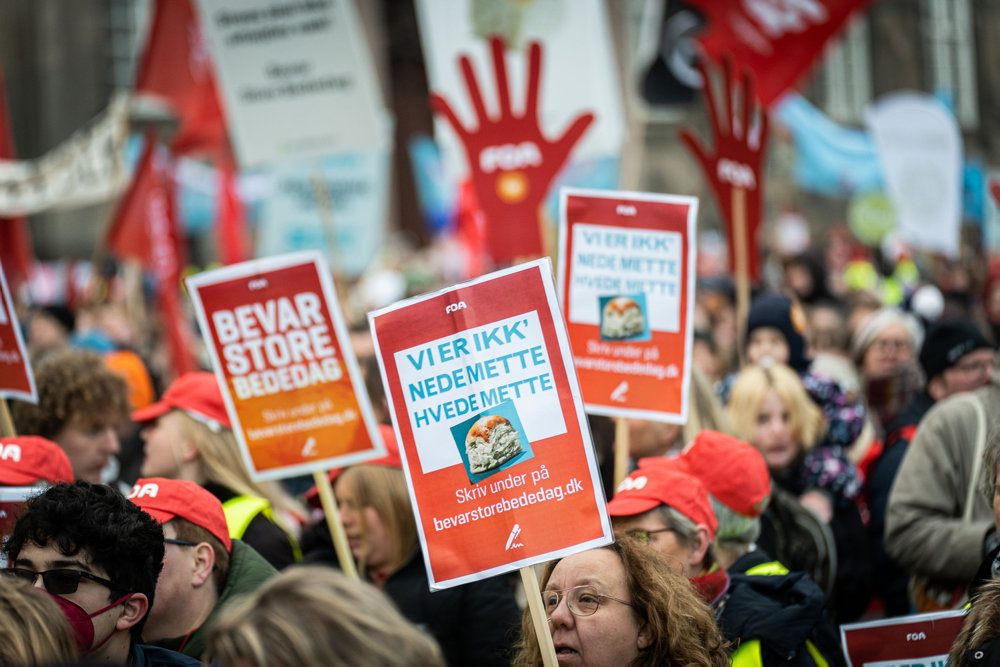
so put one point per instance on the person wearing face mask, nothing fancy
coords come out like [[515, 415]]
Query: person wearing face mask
[[473, 623], [622, 604], [98, 556]]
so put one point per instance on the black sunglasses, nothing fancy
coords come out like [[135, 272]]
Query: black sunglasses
[[57, 582]]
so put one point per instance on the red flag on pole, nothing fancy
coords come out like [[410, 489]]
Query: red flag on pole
[[232, 234], [777, 40], [175, 65], [16, 254]]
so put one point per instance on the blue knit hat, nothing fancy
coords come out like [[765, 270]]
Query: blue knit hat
[[785, 315]]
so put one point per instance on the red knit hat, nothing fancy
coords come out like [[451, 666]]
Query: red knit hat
[[26, 460], [733, 471], [197, 394], [166, 499], [390, 460], [664, 484]]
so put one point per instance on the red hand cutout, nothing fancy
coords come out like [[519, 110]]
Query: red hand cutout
[[995, 191], [737, 161], [511, 162]]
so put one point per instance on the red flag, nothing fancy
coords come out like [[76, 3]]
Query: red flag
[[232, 235], [778, 40], [176, 66], [16, 253]]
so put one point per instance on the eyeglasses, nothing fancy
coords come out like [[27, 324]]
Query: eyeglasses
[[57, 582], [886, 344], [972, 366], [643, 535], [180, 543], [582, 600]]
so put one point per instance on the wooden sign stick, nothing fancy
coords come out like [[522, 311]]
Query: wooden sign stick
[[538, 618], [741, 261], [621, 450], [6, 420], [336, 526]]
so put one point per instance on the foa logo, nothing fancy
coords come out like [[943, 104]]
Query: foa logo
[[11, 452], [142, 490], [630, 483], [453, 307]]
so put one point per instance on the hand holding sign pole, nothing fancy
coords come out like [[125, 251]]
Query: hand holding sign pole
[[512, 164], [734, 171]]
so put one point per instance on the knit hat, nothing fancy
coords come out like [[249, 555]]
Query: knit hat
[[197, 394], [785, 315], [26, 460], [652, 486], [166, 499], [946, 343], [733, 471]]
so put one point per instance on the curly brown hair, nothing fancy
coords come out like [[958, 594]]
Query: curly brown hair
[[73, 385], [681, 625]]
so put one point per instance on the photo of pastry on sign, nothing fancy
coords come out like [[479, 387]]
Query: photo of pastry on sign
[[491, 441], [624, 317]]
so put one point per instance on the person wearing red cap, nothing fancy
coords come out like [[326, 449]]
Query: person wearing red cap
[[203, 568], [188, 435], [669, 510], [27, 460]]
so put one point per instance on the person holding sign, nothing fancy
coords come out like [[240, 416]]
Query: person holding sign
[[188, 435], [472, 623], [622, 604]]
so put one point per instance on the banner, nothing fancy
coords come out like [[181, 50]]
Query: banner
[[494, 439], [626, 280], [12, 499], [281, 352], [297, 78], [919, 146], [16, 378], [778, 40], [85, 169], [920, 640]]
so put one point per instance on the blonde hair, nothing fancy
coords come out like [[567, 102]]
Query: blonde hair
[[33, 630], [384, 489], [681, 626], [222, 464], [748, 393], [313, 616]]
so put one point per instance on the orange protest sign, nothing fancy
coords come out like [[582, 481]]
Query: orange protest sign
[[281, 353], [626, 279], [16, 378], [495, 444]]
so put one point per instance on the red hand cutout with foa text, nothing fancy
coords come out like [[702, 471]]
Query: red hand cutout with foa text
[[512, 164]]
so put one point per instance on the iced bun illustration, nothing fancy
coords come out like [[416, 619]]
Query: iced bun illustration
[[492, 441], [622, 318]]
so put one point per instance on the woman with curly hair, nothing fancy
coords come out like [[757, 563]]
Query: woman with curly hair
[[622, 604], [81, 401]]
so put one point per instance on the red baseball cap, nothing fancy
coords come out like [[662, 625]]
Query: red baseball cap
[[197, 394], [26, 460], [733, 471], [652, 486], [390, 460], [166, 499]]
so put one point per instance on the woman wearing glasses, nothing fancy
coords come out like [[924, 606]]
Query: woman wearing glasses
[[622, 605]]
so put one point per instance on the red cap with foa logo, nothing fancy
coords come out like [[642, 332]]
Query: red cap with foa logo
[[166, 499]]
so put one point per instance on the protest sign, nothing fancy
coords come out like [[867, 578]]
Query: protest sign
[[626, 280], [11, 500], [281, 353], [297, 78], [495, 444], [16, 378], [920, 640]]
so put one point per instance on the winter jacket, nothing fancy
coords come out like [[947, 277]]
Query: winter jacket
[[978, 642], [247, 572], [251, 519], [144, 655], [924, 529]]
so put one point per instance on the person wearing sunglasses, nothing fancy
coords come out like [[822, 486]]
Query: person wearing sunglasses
[[621, 604], [98, 556], [203, 568]]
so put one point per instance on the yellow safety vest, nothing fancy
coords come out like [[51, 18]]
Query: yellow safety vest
[[240, 511]]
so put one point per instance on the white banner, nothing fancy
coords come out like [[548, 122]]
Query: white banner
[[85, 169], [296, 78], [919, 145]]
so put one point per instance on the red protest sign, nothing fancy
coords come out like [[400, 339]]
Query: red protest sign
[[626, 279], [12, 499], [16, 378], [777, 40], [281, 353], [922, 640], [511, 162], [494, 439]]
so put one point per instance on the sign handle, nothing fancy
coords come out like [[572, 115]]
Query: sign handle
[[741, 261], [6, 420], [621, 450], [336, 527], [533, 594]]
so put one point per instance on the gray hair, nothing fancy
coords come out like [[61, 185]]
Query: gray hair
[[873, 325], [735, 530]]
